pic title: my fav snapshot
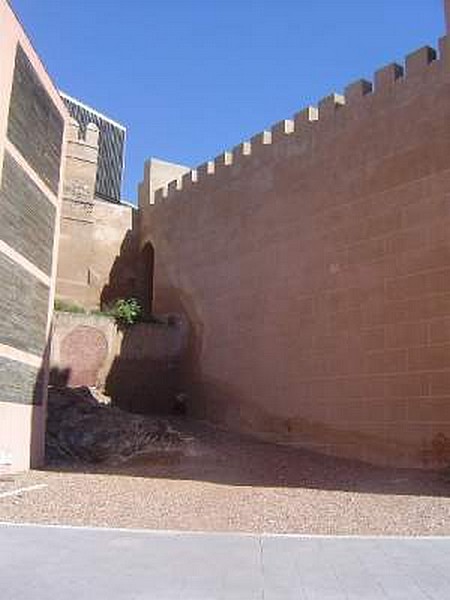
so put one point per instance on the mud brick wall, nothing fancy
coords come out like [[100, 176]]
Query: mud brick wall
[[313, 264], [97, 256]]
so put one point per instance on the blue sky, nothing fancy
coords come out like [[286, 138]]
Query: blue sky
[[192, 78]]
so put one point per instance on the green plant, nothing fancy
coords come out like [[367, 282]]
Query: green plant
[[63, 306], [127, 312]]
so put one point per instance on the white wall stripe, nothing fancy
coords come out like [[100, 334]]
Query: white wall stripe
[[23, 262], [31, 174], [20, 356]]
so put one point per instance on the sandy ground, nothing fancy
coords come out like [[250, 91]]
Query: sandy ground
[[225, 482]]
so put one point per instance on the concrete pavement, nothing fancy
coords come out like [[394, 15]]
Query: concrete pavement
[[65, 563]]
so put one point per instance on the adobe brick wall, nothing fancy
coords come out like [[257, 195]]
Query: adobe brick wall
[[77, 223], [97, 258], [32, 141], [113, 271], [96, 252], [313, 265], [157, 174]]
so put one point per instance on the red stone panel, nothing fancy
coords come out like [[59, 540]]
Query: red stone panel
[[84, 349]]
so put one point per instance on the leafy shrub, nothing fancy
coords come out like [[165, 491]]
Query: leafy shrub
[[127, 312]]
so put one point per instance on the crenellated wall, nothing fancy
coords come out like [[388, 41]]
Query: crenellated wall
[[313, 264], [157, 173]]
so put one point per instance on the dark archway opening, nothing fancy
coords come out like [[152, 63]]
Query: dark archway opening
[[148, 265]]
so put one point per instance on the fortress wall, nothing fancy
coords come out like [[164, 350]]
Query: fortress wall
[[32, 128], [313, 265], [77, 221], [113, 272], [97, 260], [157, 173], [96, 254]]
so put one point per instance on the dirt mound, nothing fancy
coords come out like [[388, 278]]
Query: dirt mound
[[84, 428]]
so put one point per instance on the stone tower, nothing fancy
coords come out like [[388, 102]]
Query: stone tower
[[77, 221]]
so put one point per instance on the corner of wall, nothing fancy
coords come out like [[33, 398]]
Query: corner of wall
[[158, 174]]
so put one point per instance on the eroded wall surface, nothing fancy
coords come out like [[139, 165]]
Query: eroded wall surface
[[99, 259], [96, 262], [313, 264], [114, 270], [32, 124]]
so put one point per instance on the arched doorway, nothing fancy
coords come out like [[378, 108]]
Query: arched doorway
[[148, 264]]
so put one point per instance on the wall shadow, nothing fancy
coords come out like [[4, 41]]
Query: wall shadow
[[142, 380], [124, 275], [225, 458], [131, 274], [189, 376], [140, 385], [45, 377], [217, 456]]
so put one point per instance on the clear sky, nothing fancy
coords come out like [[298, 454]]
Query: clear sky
[[192, 78]]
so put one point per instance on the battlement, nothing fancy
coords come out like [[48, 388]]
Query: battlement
[[314, 120], [157, 174], [82, 147], [88, 137], [312, 265]]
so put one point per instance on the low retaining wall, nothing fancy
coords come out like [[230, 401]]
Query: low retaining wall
[[137, 367]]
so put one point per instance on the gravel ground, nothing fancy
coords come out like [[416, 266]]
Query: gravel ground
[[224, 482]]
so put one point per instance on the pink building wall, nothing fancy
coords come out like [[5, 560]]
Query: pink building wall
[[22, 420]]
